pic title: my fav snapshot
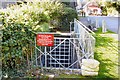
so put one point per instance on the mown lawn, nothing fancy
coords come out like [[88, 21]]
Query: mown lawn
[[106, 52]]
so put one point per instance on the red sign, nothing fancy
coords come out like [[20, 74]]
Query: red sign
[[45, 39]]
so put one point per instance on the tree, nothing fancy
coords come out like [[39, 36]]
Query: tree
[[111, 8], [67, 16], [117, 5]]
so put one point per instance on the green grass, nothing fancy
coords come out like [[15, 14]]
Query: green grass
[[99, 31], [107, 56]]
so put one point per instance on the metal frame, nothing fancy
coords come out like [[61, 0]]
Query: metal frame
[[67, 53]]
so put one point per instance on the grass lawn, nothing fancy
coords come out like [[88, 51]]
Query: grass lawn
[[106, 51]]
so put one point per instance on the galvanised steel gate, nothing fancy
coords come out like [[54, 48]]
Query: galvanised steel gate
[[68, 50]]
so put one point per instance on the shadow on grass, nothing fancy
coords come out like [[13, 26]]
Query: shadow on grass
[[102, 41], [106, 63], [105, 67]]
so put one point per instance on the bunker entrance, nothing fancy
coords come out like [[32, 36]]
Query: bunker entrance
[[67, 50]]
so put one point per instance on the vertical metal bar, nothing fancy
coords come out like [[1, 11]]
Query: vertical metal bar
[[45, 57], [94, 46], [64, 54], [50, 58], [40, 58], [36, 52], [41, 62], [73, 50], [69, 52], [55, 54], [59, 53], [75, 25], [88, 52], [90, 48]]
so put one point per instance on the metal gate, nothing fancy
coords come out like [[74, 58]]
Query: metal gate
[[68, 50]]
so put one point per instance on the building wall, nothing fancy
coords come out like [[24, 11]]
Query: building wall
[[112, 23], [5, 3]]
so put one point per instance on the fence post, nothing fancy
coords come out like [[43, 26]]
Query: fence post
[[104, 29], [45, 57], [36, 52], [70, 26], [97, 23]]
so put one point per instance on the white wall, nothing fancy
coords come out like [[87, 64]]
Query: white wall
[[111, 22], [4, 3]]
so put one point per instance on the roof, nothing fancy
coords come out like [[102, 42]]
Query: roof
[[91, 4]]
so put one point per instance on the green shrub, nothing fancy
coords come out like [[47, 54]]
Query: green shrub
[[104, 11], [67, 16], [20, 23]]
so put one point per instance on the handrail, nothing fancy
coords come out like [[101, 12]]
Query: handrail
[[85, 27], [86, 45]]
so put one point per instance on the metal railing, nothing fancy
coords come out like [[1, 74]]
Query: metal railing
[[87, 41], [68, 51]]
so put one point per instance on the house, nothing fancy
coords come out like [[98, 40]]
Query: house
[[91, 8]]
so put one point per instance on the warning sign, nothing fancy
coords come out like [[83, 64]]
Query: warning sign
[[45, 39]]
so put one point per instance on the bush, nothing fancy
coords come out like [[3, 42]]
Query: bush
[[104, 10], [20, 23], [111, 8], [67, 16]]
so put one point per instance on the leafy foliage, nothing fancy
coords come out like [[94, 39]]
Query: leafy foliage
[[104, 11], [19, 23], [68, 16], [117, 6], [111, 8]]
